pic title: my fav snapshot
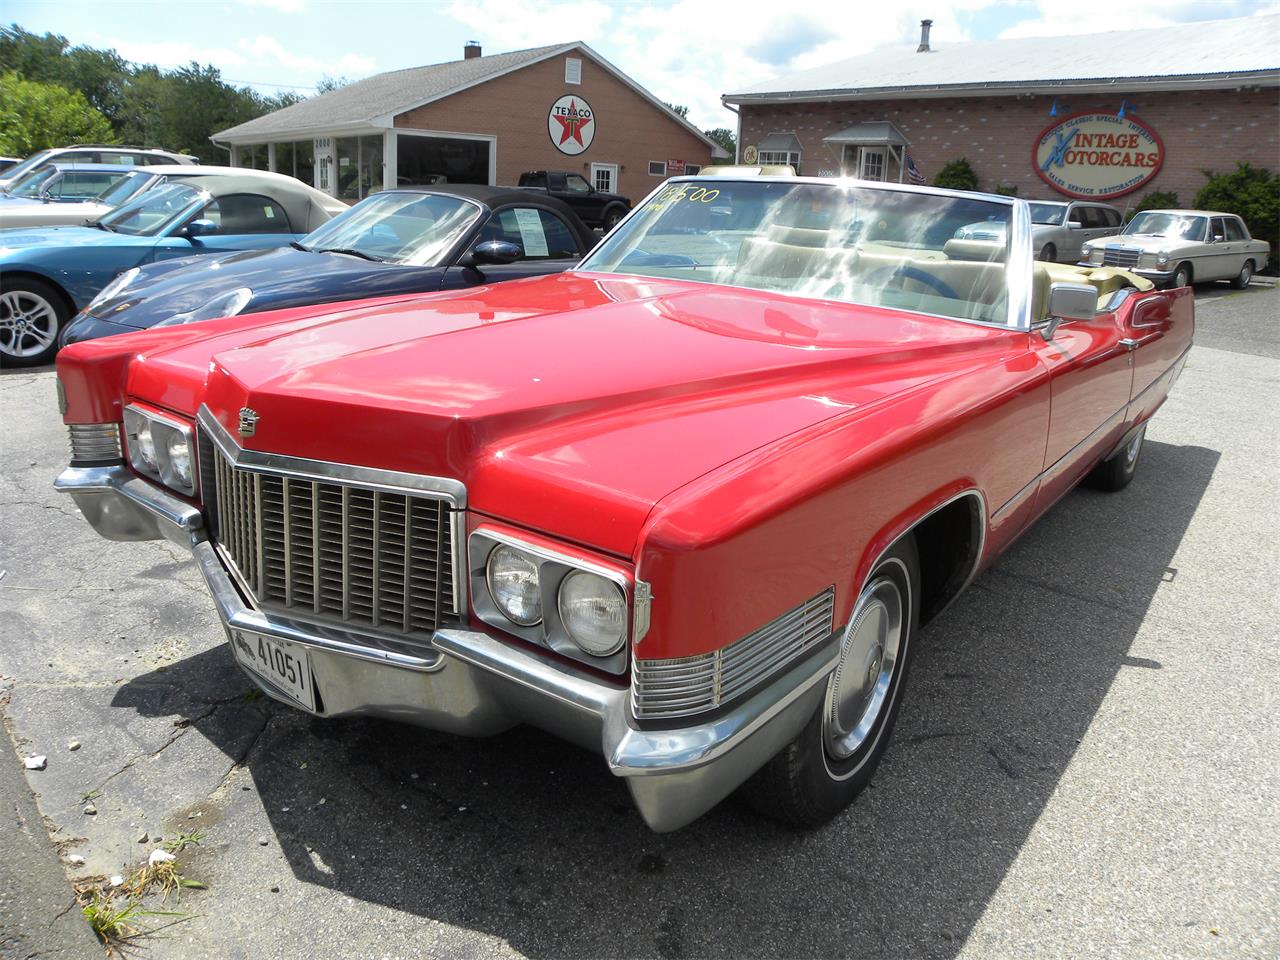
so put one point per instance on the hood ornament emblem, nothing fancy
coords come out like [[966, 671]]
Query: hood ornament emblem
[[248, 421]]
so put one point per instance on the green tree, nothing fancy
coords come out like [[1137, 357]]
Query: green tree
[[329, 84], [727, 141], [35, 116], [957, 175], [1155, 200], [680, 111], [1252, 194], [101, 76]]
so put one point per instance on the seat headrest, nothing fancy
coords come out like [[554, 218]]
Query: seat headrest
[[987, 251]]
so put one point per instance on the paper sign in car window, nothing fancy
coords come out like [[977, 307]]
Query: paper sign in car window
[[532, 237]]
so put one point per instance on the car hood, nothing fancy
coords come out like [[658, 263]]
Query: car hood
[[279, 277], [1140, 241], [571, 403], [60, 238], [30, 212]]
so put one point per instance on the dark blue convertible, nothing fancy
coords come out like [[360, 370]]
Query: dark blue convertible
[[409, 240]]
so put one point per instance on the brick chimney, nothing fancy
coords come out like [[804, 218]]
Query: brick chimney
[[471, 50], [924, 36]]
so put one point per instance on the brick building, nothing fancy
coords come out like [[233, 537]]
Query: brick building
[[1154, 108], [477, 120]]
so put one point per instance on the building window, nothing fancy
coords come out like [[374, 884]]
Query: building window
[[657, 168], [422, 161], [297, 160], [252, 156], [572, 70], [359, 166], [770, 157], [691, 168]]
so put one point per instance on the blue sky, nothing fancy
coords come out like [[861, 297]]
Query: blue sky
[[685, 51]]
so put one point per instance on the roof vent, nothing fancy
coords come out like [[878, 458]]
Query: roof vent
[[471, 50], [924, 36]]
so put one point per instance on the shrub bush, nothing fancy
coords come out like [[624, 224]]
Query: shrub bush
[[1007, 190], [957, 175], [1250, 193]]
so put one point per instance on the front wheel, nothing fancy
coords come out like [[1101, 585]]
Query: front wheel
[[1246, 274], [1117, 471], [1049, 254], [1182, 276], [833, 758], [31, 314], [611, 218]]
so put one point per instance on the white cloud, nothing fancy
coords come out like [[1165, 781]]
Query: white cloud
[[683, 55], [1053, 18], [285, 6], [268, 50], [175, 53]]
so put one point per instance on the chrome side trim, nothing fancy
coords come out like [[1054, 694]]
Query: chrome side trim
[[685, 686], [300, 468], [95, 442]]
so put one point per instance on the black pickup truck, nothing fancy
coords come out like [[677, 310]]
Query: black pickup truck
[[595, 207]]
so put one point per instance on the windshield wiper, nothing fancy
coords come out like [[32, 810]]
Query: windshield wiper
[[299, 246], [352, 252], [102, 226]]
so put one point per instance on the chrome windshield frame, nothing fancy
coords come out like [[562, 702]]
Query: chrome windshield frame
[[1018, 269]]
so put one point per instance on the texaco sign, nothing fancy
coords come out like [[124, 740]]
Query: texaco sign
[[1097, 155], [571, 124]]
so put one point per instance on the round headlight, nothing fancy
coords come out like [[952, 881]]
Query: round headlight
[[594, 612], [179, 450], [514, 585], [146, 445], [1086, 250]]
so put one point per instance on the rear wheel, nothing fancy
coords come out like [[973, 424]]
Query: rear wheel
[[31, 314], [833, 758], [1116, 472], [1246, 274]]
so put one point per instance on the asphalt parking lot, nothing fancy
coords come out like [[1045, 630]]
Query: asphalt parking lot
[[1086, 764]]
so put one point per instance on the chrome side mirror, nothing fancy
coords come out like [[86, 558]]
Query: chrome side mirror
[[1069, 301]]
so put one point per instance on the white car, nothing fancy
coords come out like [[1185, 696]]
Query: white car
[[27, 212], [1180, 247], [1059, 228], [95, 153]]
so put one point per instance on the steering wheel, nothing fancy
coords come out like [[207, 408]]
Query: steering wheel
[[908, 272]]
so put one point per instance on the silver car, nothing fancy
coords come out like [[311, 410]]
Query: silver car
[[1179, 247], [1059, 228]]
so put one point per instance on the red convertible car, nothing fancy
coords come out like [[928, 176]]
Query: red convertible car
[[687, 505]]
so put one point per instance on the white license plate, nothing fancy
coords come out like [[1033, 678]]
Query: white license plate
[[282, 664]]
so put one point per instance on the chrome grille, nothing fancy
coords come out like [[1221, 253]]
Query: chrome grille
[[339, 551], [687, 685], [94, 441], [1125, 257]]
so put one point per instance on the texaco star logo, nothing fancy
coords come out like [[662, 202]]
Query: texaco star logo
[[571, 124]]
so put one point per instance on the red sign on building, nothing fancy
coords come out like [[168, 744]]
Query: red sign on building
[[675, 168]]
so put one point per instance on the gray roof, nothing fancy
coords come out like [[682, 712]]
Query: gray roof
[[393, 92], [373, 101], [872, 131], [1214, 51]]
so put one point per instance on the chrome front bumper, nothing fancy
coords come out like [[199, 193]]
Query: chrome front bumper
[[475, 684]]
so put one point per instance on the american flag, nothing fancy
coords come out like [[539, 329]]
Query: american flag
[[913, 172]]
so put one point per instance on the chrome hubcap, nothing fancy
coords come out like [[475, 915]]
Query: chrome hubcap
[[859, 689], [1135, 445], [28, 324]]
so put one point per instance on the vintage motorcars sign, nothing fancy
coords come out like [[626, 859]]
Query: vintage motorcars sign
[[571, 124], [1097, 155]]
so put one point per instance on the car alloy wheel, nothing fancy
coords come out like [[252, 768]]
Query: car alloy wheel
[[1182, 277], [28, 325], [1246, 274]]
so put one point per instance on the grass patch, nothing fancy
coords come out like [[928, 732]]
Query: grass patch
[[184, 840]]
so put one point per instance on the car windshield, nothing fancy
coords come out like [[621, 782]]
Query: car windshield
[[881, 247], [1050, 213], [122, 189], [154, 211], [33, 182], [410, 228], [1175, 226], [27, 165]]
